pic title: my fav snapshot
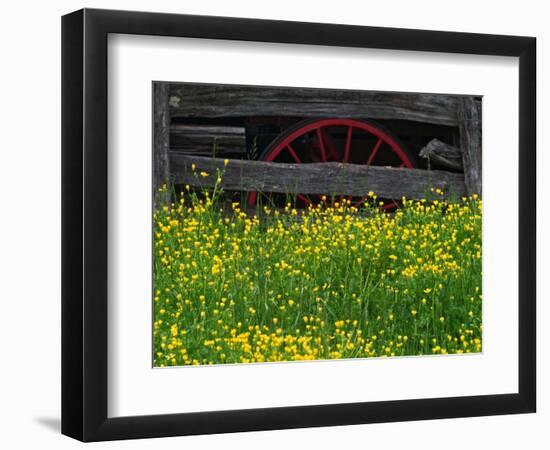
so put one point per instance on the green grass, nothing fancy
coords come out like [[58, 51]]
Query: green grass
[[325, 283]]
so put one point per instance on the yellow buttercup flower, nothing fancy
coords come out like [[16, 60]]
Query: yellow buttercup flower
[[330, 280]]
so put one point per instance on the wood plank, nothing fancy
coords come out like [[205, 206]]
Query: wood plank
[[203, 100], [317, 178], [208, 140], [442, 154], [161, 137], [469, 126]]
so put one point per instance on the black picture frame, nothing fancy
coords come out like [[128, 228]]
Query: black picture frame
[[84, 224]]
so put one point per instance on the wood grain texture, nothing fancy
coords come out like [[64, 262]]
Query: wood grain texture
[[208, 140], [161, 139], [469, 126], [442, 154], [207, 101], [318, 178]]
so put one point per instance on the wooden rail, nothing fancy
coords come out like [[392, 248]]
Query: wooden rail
[[316, 178], [443, 155], [203, 140], [207, 101]]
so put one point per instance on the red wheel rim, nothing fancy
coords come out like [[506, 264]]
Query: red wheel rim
[[323, 147]]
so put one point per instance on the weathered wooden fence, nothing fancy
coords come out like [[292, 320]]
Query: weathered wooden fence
[[177, 146], [329, 178]]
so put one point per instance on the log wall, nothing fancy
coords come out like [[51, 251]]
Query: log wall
[[172, 141], [208, 140], [207, 101]]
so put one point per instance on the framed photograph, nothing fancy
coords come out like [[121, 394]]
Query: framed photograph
[[273, 224]]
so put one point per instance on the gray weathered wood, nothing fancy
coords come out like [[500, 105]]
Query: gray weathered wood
[[469, 126], [443, 155], [208, 140], [201, 100], [317, 178], [161, 137]]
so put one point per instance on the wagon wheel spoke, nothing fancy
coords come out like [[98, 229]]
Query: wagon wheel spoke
[[293, 154], [331, 149], [369, 162], [303, 198], [252, 198], [347, 149], [374, 151], [361, 200], [330, 145], [321, 145], [390, 206], [347, 146]]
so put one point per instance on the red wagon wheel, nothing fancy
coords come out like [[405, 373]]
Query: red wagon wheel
[[341, 140]]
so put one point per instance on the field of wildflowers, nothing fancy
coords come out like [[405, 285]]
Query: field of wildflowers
[[327, 282]]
